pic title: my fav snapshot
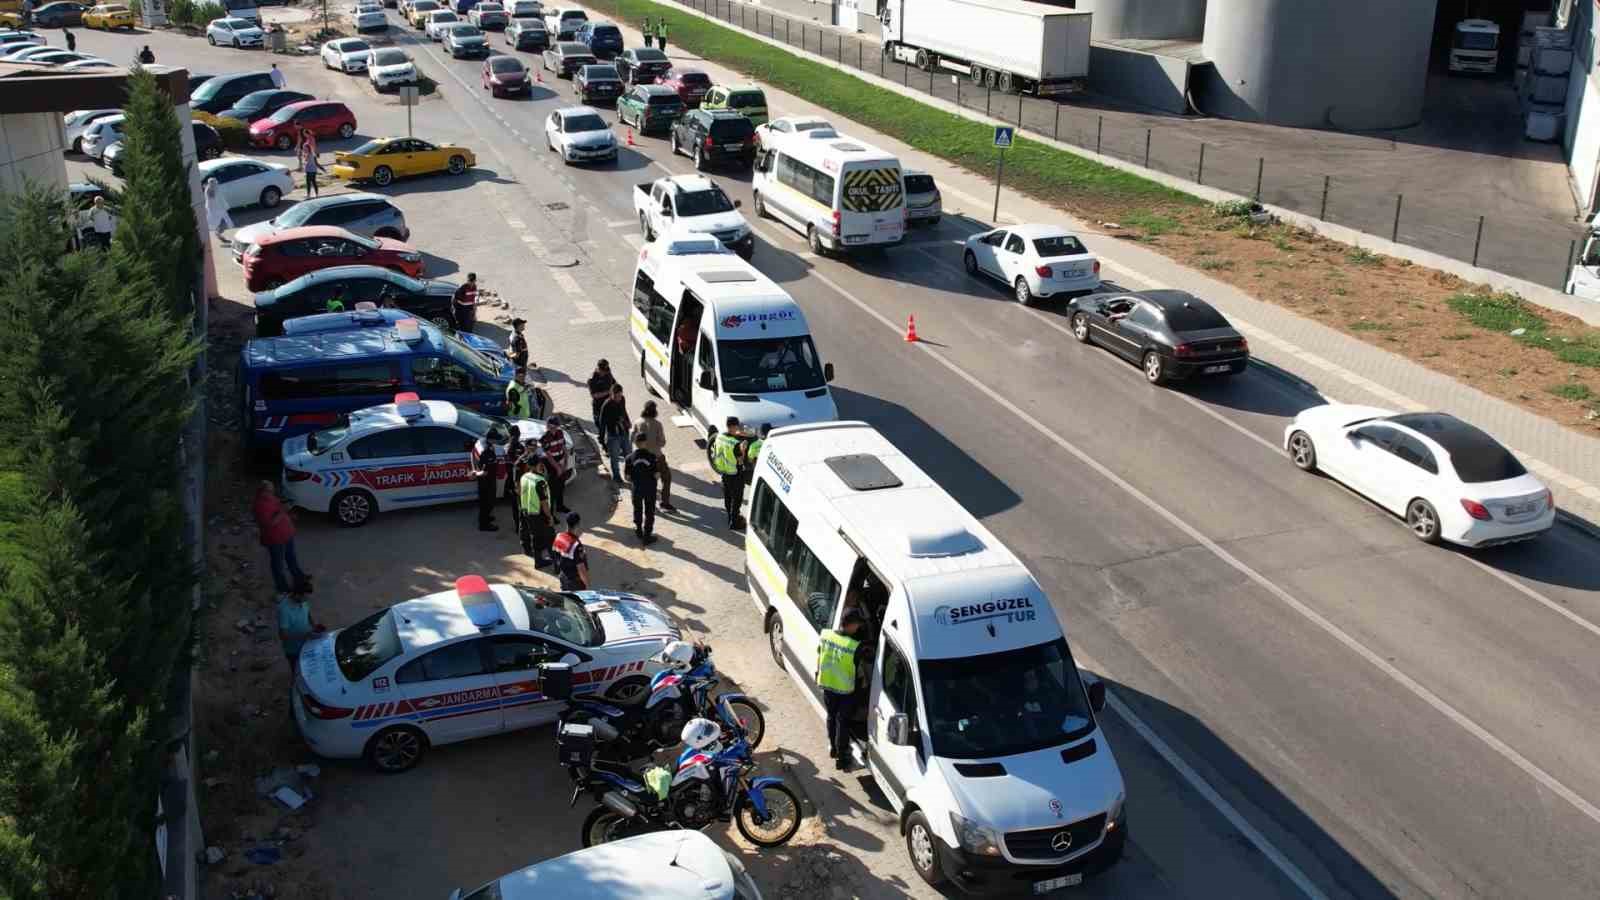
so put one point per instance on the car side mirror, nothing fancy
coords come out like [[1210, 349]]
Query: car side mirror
[[898, 730], [707, 381], [1097, 694], [570, 659], [827, 371], [737, 204]]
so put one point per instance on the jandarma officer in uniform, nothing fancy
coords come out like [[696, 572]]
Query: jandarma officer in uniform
[[837, 652], [727, 453]]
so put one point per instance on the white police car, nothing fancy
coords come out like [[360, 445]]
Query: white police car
[[407, 453], [464, 663]]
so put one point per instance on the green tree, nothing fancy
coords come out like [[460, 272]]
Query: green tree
[[155, 236]]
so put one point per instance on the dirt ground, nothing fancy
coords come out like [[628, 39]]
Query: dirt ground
[[1384, 301]]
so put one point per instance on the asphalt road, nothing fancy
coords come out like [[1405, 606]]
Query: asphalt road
[[1353, 714]]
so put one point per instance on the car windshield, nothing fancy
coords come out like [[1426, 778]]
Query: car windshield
[[439, 17], [354, 46], [364, 647], [424, 6], [388, 58], [1001, 704], [505, 64], [704, 203], [285, 113], [1046, 247], [583, 123], [695, 79], [746, 99], [1476, 40], [367, 149], [606, 31], [923, 184], [528, 23], [663, 99], [1194, 317], [562, 616], [478, 423], [238, 24], [298, 214], [472, 359], [600, 73], [254, 101], [769, 364], [733, 128], [319, 442], [466, 31], [1486, 462]]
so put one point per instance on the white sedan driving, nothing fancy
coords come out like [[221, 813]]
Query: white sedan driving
[[78, 121], [1037, 261], [390, 67], [810, 126], [439, 21], [242, 181], [580, 134], [232, 32], [346, 54], [1449, 480]]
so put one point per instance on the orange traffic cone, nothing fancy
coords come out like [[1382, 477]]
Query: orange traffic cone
[[911, 329], [630, 135], [538, 76]]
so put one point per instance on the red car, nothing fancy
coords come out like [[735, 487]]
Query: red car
[[505, 75], [325, 118], [282, 257], [691, 85]]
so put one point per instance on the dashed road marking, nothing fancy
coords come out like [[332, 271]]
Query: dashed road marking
[[567, 283], [622, 223]]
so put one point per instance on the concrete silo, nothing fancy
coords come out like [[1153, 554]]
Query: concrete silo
[[1344, 64], [1147, 19]]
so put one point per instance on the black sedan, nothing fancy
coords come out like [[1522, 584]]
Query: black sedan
[[1171, 335], [528, 33], [309, 294], [258, 105], [641, 65], [597, 84], [567, 57], [207, 141], [59, 14]]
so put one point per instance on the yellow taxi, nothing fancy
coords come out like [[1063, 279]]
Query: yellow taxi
[[10, 20], [108, 16], [417, 12], [382, 160]]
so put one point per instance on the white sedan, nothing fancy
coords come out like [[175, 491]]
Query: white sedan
[[465, 663], [1449, 480], [390, 67], [100, 134], [439, 21], [579, 134], [1036, 261], [232, 32], [346, 54], [810, 126], [78, 121], [242, 181], [661, 865], [369, 20]]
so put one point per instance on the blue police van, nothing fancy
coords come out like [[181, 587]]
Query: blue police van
[[299, 383], [379, 318]]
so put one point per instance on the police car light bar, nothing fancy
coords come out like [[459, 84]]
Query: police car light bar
[[409, 405], [366, 306], [479, 603], [408, 330]]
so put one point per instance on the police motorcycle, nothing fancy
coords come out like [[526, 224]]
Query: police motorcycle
[[712, 782], [681, 691]]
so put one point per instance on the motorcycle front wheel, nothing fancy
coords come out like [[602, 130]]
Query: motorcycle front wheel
[[780, 823], [751, 720], [604, 825]]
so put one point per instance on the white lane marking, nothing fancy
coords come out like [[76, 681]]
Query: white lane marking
[[634, 239], [1537, 597], [567, 283], [622, 223], [1415, 687], [518, 224]]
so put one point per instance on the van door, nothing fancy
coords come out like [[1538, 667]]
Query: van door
[[872, 204], [894, 692], [703, 399], [650, 329]]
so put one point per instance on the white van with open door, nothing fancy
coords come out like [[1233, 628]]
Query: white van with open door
[[842, 194], [976, 723], [720, 339]]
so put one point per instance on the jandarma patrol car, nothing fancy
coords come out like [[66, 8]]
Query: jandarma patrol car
[[465, 663], [407, 453]]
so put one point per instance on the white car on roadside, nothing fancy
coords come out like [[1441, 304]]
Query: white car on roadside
[[464, 664], [340, 471], [390, 67], [231, 32], [1037, 261], [438, 21], [810, 126], [242, 181], [662, 865], [370, 20], [100, 134], [580, 134], [1449, 480], [346, 54], [77, 122]]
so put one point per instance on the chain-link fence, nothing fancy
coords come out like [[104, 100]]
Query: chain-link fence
[[1524, 246]]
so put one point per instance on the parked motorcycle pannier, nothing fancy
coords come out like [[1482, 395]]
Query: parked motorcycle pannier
[[557, 680], [575, 745]]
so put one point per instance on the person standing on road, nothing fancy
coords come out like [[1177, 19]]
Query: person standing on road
[[146, 57], [615, 426], [752, 451], [642, 468], [465, 304], [277, 535], [216, 209], [836, 675], [514, 468], [553, 447], [27, 14], [538, 513], [313, 166], [518, 348], [70, 38], [518, 402], [277, 77], [572, 561], [656, 442], [649, 34], [295, 626], [600, 382], [661, 35], [725, 458], [101, 223], [485, 468]]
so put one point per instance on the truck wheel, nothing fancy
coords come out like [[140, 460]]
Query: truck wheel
[[991, 78], [977, 75], [1005, 82], [922, 61], [922, 850]]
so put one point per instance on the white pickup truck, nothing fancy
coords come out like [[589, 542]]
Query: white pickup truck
[[692, 203]]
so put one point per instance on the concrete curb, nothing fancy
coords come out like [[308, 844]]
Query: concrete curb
[[1584, 526]]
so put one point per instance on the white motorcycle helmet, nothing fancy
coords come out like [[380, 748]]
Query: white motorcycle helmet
[[677, 656], [701, 733]]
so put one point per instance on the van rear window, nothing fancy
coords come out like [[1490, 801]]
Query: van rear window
[[731, 129]]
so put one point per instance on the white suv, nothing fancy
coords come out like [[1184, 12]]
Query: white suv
[[390, 67]]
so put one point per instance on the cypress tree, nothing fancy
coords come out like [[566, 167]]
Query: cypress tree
[[155, 236]]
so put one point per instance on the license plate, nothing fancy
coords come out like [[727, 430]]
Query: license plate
[[855, 239], [733, 146], [888, 226], [1212, 370], [1521, 509], [1071, 273], [1056, 884]]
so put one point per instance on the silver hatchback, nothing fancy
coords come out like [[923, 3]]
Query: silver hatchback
[[923, 203], [369, 215]]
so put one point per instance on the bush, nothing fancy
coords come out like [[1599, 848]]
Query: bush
[[1232, 209], [206, 13], [181, 12]]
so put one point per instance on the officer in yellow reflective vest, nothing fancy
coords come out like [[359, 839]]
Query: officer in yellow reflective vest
[[538, 514], [518, 402], [836, 675], [727, 459]]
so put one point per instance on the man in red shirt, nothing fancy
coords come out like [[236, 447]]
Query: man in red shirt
[[277, 535], [465, 304]]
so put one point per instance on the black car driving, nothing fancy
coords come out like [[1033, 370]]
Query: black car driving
[[641, 65], [567, 57], [597, 83], [258, 105], [1171, 335], [712, 136]]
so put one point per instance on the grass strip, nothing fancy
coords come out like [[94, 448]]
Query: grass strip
[[1511, 315], [1049, 174]]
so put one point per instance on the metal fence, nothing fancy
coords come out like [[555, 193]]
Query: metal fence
[[1528, 247]]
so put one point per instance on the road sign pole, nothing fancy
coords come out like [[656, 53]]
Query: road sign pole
[[999, 174], [408, 121]]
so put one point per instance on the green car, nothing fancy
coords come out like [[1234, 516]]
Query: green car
[[650, 106], [747, 99]]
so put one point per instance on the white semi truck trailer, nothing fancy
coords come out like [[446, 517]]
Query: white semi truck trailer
[[1009, 45]]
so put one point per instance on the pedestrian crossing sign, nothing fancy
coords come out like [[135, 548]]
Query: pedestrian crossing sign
[[1002, 135]]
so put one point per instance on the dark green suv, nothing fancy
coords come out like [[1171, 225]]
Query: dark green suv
[[650, 106]]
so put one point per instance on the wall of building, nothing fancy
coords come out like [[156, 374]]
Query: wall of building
[[1582, 138], [1343, 64], [32, 151], [1157, 82], [1151, 19]]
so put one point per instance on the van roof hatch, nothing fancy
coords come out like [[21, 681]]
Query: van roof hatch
[[862, 472]]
